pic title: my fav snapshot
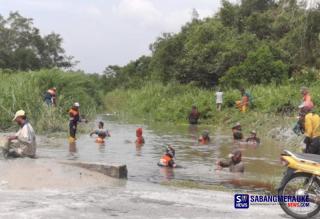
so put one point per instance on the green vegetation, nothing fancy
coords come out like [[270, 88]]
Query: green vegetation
[[172, 102], [22, 47], [254, 42], [269, 47], [24, 90]]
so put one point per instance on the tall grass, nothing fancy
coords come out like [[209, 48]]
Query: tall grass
[[24, 90], [173, 102]]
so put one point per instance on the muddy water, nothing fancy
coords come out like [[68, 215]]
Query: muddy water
[[74, 193], [262, 166]]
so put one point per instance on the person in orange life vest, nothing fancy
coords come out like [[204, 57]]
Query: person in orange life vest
[[101, 133], [167, 160], [307, 100], [243, 104], [74, 119], [140, 139], [50, 96], [204, 138]]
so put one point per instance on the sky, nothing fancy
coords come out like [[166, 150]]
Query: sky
[[99, 33]]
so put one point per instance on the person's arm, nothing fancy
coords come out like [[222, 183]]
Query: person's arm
[[13, 137], [223, 163]]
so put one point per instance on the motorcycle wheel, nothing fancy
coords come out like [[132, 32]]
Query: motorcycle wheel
[[291, 186]]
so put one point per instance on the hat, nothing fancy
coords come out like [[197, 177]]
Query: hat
[[76, 104], [18, 114], [236, 125], [253, 132]]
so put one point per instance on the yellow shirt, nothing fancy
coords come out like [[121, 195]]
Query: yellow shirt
[[312, 125]]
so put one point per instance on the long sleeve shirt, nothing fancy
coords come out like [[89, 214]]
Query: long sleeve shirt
[[27, 140]]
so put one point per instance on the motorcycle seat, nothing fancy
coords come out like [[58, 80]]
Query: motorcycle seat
[[307, 157]]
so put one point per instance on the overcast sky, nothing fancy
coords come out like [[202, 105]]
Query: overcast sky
[[107, 32]]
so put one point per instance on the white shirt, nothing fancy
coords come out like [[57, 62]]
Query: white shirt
[[27, 139], [219, 97]]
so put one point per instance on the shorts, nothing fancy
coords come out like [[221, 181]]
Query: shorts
[[314, 147], [72, 130]]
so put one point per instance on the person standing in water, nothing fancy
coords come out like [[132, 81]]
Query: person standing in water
[[140, 139], [235, 163], [219, 99], [237, 132], [253, 139], [167, 160], [194, 116], [204, 138], [101, 133], [23, 143], [74, 119]]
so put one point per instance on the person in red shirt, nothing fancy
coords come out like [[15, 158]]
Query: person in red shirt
[[140, 140]]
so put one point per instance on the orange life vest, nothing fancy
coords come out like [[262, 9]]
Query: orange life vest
[[165, 160], [100, 140], [73, 112], [74, 116]]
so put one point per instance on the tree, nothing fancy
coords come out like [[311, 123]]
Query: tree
[[260, 67], [195, 14], [23, 48]]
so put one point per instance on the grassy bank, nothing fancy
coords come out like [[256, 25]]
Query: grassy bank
[[24, 90], [171, 103]]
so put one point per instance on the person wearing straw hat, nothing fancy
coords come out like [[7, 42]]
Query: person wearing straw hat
[[237, 132], [253, 139], [23, 143]]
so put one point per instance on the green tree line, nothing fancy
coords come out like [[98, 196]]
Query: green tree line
[[23, 48], [253, 42]]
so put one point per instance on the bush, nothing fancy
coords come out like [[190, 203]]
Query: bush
[[24, 90]]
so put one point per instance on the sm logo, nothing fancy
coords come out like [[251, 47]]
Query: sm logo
[[241, 201]]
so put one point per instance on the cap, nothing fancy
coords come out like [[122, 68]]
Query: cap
[[76, 104], [19, 113], [236, 125], [253, 132]]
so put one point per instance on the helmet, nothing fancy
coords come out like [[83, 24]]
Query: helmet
[[76, 104]]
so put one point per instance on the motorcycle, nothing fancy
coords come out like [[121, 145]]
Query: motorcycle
[[302, 178]]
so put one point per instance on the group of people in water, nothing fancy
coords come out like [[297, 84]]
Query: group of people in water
[[23, 143]]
